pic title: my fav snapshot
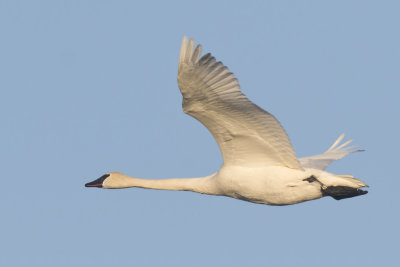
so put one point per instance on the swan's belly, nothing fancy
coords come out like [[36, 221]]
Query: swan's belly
[[268, 185]]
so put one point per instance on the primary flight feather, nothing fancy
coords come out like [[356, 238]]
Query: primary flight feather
[[260, 164]]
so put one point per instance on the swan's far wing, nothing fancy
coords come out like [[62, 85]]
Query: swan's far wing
[[245, 133], [335, 152]]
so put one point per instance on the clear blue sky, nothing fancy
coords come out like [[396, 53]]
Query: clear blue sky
[[89, 87]]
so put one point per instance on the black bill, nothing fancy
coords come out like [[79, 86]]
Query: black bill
[[98, 182]]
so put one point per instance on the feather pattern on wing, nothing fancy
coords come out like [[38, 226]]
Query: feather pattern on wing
[[335, 152], [245, 133]]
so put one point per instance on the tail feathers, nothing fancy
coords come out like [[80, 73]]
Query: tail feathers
[[347, 180], [342, 186], [357, 183]]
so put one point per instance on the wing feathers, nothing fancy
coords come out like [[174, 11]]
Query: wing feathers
[[340, 138], [245, 133], [203, 60], [182, 54], [189, 51], [333, 153], [196, 54]]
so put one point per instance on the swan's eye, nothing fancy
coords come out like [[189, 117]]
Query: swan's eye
[[104, 177]]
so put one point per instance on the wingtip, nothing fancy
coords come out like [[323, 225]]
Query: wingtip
[[196, 54], [184, 43], [189, 53], [337, 141], [189, 50], [182, 53], [336, 146]]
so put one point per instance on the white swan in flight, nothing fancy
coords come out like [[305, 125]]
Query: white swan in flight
[[260, 164]]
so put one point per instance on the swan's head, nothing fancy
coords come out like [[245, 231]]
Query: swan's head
[[111, 180], [98, 182]]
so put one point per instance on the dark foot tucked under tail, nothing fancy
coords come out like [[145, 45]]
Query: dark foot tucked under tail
[[341, 192]]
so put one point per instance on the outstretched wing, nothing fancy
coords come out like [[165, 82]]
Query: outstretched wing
[[245, 133], [335, 152]]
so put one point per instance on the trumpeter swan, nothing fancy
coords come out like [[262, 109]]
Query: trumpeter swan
[[260, 164]]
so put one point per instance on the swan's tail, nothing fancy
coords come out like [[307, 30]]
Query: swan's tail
[[341, 186]]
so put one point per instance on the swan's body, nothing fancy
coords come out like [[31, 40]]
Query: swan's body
[[260, 164]]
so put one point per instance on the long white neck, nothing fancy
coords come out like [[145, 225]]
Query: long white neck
[[203, 185]]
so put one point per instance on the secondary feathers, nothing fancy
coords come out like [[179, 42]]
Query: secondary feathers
[[246, 134]]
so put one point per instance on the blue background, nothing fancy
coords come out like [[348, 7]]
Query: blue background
[[89, 87]]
